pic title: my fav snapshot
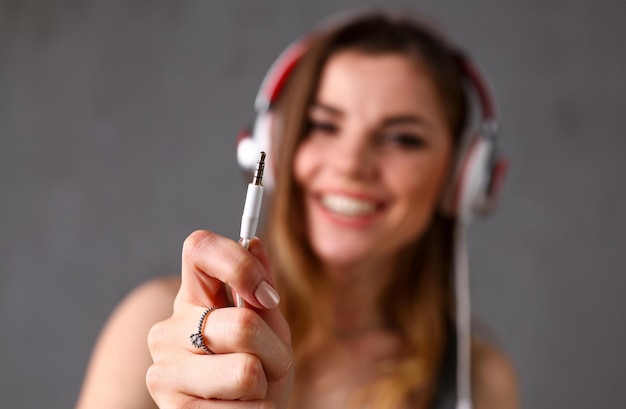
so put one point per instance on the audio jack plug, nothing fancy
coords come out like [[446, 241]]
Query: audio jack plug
[[251, 211]]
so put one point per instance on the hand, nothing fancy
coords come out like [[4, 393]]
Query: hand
[[252, 365]]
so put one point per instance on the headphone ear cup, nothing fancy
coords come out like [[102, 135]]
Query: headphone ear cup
[[499, 169], [468, 195], [250, 144], [247, 150]]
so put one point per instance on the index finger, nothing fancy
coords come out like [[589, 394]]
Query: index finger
[[210, 260]]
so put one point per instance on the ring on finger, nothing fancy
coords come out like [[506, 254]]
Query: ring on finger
[[197, 339]]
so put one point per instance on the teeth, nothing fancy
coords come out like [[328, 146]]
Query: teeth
[[348, 206]]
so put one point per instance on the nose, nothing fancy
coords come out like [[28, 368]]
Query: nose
[[355, 156]]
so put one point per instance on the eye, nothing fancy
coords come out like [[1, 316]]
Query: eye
[[404, 140], [321, 127]]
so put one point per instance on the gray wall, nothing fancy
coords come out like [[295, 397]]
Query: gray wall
[[117, 126]]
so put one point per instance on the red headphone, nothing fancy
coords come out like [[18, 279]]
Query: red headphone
[[479, 172]]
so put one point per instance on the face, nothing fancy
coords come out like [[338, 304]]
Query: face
[[375, 159]]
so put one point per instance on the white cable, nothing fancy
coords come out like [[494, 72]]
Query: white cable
[[463, 317]]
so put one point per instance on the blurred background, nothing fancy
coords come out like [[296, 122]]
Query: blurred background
[[117, 139]]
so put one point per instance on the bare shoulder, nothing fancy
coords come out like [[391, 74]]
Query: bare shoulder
[[494, 378], [147, 304], [115, 375], [157, 294]]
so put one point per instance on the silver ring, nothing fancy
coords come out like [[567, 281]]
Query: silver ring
[[197, 339]]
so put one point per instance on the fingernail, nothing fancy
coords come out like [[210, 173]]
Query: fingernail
[[267, 295]]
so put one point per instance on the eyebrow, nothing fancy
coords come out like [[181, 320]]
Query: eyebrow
[[406, 119], [326, 108], [401, 119]]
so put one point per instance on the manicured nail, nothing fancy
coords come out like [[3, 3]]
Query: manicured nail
[[267, 295]]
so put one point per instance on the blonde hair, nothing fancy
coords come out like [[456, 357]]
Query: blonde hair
[[418, 302]]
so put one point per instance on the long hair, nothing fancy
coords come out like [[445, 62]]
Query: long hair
[[417, 303]]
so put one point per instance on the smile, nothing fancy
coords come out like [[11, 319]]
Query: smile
[[347, 205]]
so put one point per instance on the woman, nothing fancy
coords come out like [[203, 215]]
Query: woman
[[352, 303]]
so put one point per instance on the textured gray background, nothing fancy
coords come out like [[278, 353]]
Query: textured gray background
[[117, 126]]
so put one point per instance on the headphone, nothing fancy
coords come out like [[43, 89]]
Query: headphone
[[479, 172]]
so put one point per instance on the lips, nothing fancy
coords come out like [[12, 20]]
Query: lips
[[349, 206]]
